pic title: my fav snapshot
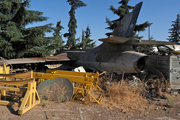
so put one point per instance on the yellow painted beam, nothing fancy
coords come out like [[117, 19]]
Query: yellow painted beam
[[19, 75], [13, 89], [16, 83], [9, 103], [72, 78], [93, 77], [30, 99]]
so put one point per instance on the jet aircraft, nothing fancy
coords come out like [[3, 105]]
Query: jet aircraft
[[113, 55]]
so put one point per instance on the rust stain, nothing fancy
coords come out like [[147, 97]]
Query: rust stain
[[60, 57]]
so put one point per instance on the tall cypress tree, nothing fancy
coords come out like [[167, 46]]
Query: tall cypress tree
[[175, 30], [121, 11], [71, 42], [15, 39]]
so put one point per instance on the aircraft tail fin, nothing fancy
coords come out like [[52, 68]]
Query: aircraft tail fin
[[123, 32], [127, 24]]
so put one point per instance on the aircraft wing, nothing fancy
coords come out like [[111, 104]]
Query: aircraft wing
[[134, 41], [147, 42], [115, 39], [59, 57]]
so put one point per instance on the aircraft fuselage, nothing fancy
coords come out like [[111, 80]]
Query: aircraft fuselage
[[107, 57]]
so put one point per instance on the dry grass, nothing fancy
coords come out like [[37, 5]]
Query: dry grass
[[54, 93], [125, 97], [131, 98]]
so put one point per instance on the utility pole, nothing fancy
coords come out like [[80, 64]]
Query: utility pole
[[149, 32]]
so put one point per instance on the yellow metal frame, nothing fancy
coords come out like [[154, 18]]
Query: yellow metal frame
[[84, 92], [87, 82], [4, 69], [28, 87]]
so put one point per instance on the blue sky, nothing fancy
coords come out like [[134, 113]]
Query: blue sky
[[158, 12]]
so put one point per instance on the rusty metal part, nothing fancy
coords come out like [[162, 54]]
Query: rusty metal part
[[60, 57]]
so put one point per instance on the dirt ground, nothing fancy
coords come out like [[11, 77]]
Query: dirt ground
[[120, 102], [154, 110]]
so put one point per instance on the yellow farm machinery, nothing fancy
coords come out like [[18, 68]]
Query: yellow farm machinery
[[26, 89]]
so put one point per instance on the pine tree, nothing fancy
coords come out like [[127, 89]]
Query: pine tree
[[71, 42], [86, 42], [15, 39], [121, 12], [89, 42], [175, 30], [56, 40]]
